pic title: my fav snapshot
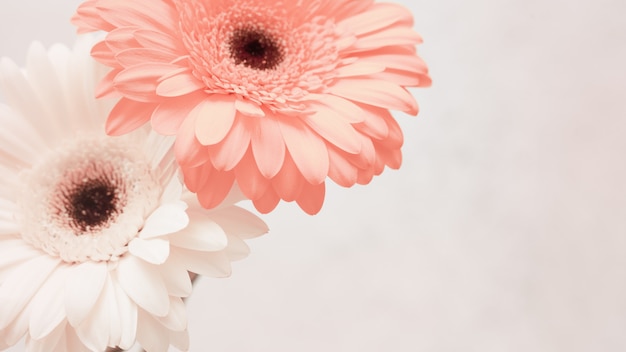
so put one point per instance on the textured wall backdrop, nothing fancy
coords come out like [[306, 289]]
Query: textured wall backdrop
[[505, 229]]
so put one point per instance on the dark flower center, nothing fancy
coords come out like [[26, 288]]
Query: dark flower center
[[255, 49], [92, 204]]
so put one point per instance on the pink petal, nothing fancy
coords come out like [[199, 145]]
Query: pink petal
[[250, 180], [102, 53], [289, 181], [196, 177], [374, 122], [379, 16], [248, 108], [375, 92], [170, 113], [335, 130], [216, 189], [159, 15], [391, 157], [137, 56], [180, 84], [140, 82], [267, 203], [87, 18], [189, 152], [268, 146], [394, 36], [359, 69], [214, 118], [341, 171], [227, 154], [128, 115], [348, 110], [311, 198], [105, 87], [307, 150], [157, 39]]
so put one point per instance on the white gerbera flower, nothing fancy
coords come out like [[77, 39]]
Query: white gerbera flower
[[97, 234]]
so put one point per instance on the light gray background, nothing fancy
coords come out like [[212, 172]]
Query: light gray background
[[504, 230]]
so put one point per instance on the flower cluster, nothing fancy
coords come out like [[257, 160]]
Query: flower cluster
[[121, 159]]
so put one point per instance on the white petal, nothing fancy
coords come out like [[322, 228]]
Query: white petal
[[16, 330], [45, 81], [47, 308], [16, 251], [53, 342], [213, 264], [127, 311], [176, 278], [21, 284], [166, 219], [142, 282], [180, 340], [237, 249], [173, 191], [239, 222], [153, 251], [84, 285], [152, 336], [202, 233], [176, 320], [94, 330]]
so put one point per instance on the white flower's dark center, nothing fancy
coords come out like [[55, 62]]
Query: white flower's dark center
[[255, 49], [93, 203], [87, 199]]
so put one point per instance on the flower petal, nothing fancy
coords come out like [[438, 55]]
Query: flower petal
[[179, 85], [166, 219], [312, 198], [83, 287], [249, 178], [335, 130], [268, 146], [154, 251], [375, 92], [47, 305], [151, 334], [202, 234], [21, 284], [307, 150], [141, 282], [239, 222], [214, 118], [128, 115]]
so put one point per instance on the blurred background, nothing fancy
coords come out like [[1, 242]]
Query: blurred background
[[505, 228]]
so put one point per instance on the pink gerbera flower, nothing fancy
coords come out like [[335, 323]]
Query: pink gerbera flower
[[274, 95]]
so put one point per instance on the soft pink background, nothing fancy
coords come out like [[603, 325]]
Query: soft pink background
[[505, 230]]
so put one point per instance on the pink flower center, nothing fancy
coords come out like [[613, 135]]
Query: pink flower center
[[259, 51], [255, 49]]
